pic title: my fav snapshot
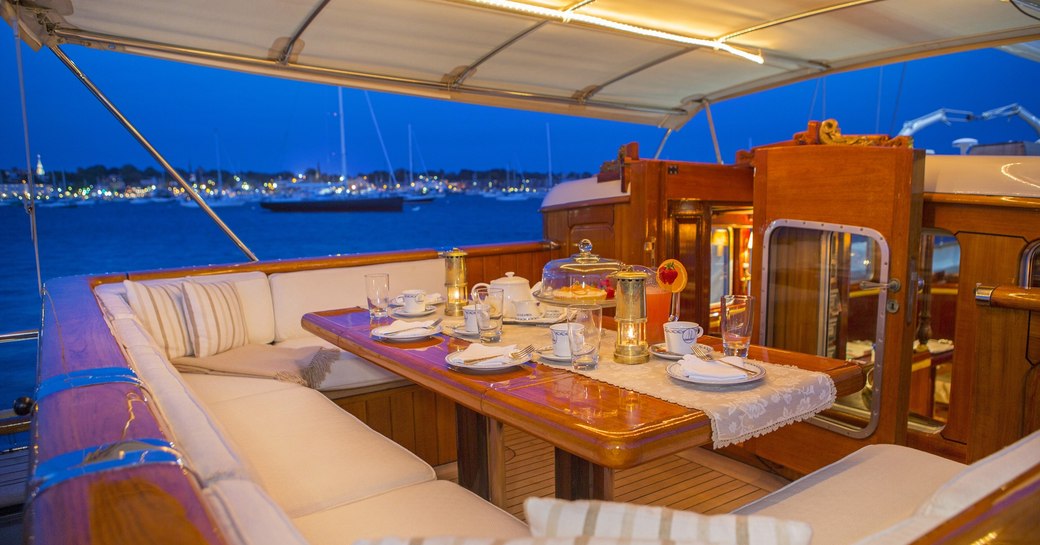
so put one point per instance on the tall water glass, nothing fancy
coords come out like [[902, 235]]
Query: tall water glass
[[736, 316], [584, 332], [489, 304], [377, 288]]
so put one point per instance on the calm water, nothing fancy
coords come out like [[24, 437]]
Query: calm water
[[123, 237]]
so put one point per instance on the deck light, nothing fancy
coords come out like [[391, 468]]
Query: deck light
[[455, 281], [566, 16], [631, 346]]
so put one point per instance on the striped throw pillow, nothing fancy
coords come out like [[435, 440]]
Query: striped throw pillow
[[559, 518], [160, 308], [216, 321]]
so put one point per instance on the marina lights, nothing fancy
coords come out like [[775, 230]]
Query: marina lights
[[630, 294], [455, 281]]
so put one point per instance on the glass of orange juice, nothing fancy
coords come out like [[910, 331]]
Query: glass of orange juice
[[658, 304]]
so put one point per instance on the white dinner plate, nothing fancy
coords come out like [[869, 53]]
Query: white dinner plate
[[402, 313], [405, 335], [675, 371], [548, 355], [482, 367], [661, 350], [548, 317]]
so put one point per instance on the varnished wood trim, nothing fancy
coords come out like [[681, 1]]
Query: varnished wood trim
[[983, 200], [1016, 298]]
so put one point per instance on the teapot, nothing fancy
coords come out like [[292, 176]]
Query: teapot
[[514, 288]]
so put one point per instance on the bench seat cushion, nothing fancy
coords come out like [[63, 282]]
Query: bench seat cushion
[[872, 489], [436, 508], [310, 454]]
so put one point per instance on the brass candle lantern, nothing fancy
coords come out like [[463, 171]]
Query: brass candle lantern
[[630, 295], [455, 281]]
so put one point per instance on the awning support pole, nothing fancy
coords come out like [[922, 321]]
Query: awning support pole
[[660, 147], [714, 136], [151, 150]]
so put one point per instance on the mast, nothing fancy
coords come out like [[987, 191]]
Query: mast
[[411, 174], [342, 140], [548, 148]]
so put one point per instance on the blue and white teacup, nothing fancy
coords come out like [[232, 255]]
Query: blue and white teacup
[[414, 301], [681, 336]]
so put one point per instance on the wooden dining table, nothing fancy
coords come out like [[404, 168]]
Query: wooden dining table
[[595, 427]]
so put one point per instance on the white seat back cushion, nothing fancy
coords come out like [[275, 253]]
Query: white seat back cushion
[[983, 477], [876, 487], [297, 293]]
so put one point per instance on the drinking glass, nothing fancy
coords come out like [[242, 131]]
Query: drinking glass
[[736, 317], [584, 332], [377, 288], [489, 314]]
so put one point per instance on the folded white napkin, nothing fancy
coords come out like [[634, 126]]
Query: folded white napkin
[[713, 371], [402, 325], [477, 350]]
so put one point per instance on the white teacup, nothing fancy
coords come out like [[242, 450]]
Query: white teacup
[[560, 344], [681, 336], [414, 301], [469, 314], [527, 309]]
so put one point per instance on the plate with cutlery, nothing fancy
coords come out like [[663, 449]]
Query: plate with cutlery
[[400, 331]]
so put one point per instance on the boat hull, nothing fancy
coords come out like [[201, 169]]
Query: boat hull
[[379, 204]]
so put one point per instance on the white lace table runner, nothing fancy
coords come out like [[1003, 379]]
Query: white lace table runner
[[737, 412]]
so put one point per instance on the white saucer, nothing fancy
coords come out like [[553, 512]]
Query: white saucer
[[661, 350], [401, 313], [550, 356], [461, 330], [549, 316], [481, 368], [405, 335], [675, 371]]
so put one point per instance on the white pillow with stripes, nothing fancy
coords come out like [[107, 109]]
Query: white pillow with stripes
[[216, 320], [160, 308], [549, 517]]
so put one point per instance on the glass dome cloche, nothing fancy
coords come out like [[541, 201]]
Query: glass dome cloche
[[581, 278]]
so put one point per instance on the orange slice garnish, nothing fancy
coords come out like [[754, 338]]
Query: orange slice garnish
[[671, 276]]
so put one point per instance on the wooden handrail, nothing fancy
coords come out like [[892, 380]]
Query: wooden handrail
[[1011, 297]]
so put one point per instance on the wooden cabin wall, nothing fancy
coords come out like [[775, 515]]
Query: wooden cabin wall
[[667, 213], [986, 393]]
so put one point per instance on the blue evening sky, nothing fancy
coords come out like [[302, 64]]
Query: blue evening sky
[[268, 124]]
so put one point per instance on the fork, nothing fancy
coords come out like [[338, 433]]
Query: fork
[[708, 355], [435, 323], [516, 354]]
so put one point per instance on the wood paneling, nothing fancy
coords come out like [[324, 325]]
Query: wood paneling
[[415, 418]]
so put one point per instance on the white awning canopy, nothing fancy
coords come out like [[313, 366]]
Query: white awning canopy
[[645, 61]]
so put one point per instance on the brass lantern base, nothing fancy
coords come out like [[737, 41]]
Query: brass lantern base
[[453, 309], [632, 354]]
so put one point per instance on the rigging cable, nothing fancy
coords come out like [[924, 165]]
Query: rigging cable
[[899, 95], [1019, 8], [30, 207], [390, 167]]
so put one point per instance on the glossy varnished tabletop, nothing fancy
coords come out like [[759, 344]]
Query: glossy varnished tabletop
[[595, 427]]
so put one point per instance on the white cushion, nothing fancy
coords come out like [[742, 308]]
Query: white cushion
[[248, 516], [549, 517], [297, 293], [863, 493], [349, 371], [903, 532], [983, 477], [216, 318], [113, 301], [312, 455], [216, 388], [255, 291], [428, 509], [455, 540], [160, 307]]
